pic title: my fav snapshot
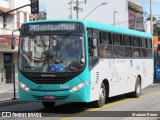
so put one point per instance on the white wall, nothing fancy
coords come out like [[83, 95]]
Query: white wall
[[12, 19], [103, 14], [147, 26], [4, 3], [19, 3]]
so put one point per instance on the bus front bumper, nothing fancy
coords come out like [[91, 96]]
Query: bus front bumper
[[58, 96]]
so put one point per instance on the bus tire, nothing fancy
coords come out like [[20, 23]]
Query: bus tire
[[102, 97], [137, 91], [48, 105]]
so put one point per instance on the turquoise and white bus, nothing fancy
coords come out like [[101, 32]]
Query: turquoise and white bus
[[82, 61]]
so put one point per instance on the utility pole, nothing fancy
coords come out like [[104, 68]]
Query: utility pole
[[151, 18], [70, 3], [77, 8], [114, 17]]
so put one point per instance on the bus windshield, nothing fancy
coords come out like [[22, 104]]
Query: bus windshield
[[52, 53]]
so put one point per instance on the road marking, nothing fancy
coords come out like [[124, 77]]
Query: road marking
[[108, 105], [146, 95]]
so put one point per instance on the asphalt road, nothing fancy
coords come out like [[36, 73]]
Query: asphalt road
[[116, 108]]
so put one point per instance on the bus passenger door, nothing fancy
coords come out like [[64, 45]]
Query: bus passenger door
[[94, 64]]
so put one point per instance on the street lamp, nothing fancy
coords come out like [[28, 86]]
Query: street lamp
[[151, 18], [94, 9], [114, 17]]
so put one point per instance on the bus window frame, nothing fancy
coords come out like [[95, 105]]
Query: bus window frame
[[121, 45], [95, 34], [108, 37], [128, 46]]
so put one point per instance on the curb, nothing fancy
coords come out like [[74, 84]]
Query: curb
[[10, 102], [7, 91]]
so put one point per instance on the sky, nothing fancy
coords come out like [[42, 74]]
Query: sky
[[146, 6], [42, 5], [144, 3]]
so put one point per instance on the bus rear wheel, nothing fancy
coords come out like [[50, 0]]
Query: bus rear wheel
[[48, 105], [102, 97], [137, 91]]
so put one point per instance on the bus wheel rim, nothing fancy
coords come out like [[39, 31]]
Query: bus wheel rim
[[138, 89], [102, 95]]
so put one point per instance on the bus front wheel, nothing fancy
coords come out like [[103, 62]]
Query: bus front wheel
[[102, 97], [48, 105]]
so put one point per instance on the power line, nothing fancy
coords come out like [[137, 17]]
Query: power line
[[125, 21]]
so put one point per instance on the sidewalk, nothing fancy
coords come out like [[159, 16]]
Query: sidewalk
[[7, 88], [7, 94]]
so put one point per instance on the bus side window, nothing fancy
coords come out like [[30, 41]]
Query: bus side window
[[93, 48], [93, 43], [149, 48], [105, 45], [109, 46], [127, 46], [149, 43], [144, 48], [102, 46], [136, 47], [90, 34], [117, 46]]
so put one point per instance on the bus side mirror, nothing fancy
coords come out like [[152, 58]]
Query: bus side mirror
[[13, 43]]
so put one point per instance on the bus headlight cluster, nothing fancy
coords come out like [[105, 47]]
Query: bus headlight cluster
[[23, 86], [158, 70], [78, 87]]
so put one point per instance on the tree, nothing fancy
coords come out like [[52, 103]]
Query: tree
[[156, 30], [154, 18]]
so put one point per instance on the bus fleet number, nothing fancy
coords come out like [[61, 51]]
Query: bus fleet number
[[64, 86]]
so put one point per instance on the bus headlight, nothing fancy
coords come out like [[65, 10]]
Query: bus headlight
[[24, 87], [158, 70], [78, 87]]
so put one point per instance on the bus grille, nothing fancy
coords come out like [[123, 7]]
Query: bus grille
[[49, 80], [57, 97]]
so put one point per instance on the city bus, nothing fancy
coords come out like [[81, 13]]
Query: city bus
[[156, 57], [82, 61], [157, 62]]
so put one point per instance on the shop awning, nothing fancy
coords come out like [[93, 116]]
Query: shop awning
[[4, 10]]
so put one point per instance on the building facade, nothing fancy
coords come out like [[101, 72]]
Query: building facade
[[8, 23], [135, 16], [41, 15]]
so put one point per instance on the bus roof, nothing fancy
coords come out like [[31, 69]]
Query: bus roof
[[110, 28]]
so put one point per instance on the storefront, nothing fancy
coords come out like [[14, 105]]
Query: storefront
[[8, 57]]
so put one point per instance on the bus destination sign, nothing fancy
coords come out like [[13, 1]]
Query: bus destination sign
[[53, 27]]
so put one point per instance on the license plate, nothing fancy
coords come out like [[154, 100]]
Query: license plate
[[50, 97]]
